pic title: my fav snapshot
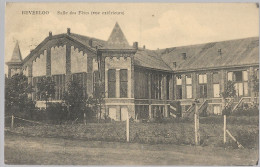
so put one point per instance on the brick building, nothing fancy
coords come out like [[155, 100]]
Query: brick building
[[140, 81]]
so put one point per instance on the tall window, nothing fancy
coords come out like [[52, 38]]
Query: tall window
[[59, 86], [123, 82], [178, 87], [95, 82], [82, 78], [188, 86], [241, 82], [216, 88], [111, 83], [156, 82], [203, 85], [168, 87]]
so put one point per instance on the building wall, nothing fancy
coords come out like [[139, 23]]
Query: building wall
[[39, 65]]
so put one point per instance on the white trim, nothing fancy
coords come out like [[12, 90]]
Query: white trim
[[119, 104]]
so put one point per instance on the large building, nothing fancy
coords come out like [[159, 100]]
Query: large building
[[140, 81]]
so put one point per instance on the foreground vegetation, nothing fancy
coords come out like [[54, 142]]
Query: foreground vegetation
[[177, 131]]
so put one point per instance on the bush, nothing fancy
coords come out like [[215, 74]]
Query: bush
[[248, 139], [247, 110], [56, 113]]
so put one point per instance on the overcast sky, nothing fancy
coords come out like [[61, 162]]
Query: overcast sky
[[156, 25]]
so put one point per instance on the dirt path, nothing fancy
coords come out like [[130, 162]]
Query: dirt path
[[56, 151]]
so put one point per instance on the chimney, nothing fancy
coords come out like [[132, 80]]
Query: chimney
[[219, 52], [50, 34], [68, 31], [144, 47], [184, 56], [135, 45], [174, 64], [90, 43]]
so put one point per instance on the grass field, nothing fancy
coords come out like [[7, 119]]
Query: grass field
[[49, 151]]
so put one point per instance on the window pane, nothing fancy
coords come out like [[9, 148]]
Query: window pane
[[188, 79], [178, 80], [123, 89], [246, 88], [123, 75], [245, 76], [189, 92], [112, 89], [179, 92], [200, 79], [240, 89], [112, 75], [205, 78], [205, 91], [238, 76], [230, 76], [216, 90]]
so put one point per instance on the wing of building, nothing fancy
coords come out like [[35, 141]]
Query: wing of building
[[144, 83]]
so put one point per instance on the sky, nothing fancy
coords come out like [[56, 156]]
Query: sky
[[155, 25]]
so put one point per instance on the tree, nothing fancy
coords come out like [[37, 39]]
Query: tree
[[229, 92], [255, 81], [75, 99], [16, 94], [46, 89], [98, 99]]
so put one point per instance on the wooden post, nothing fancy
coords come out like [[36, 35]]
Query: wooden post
[[196, 125], [225, 128], [127, 128], [85, 121], [12, 122]]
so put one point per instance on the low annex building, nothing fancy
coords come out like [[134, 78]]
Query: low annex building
[[143, 82]]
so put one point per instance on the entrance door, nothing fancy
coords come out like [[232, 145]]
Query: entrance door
[[124, 112]]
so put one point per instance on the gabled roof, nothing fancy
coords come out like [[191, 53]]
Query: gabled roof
[[16, 57], [233, 53], [85, 40], [117, 39]]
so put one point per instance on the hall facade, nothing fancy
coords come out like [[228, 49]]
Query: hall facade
[[140, 81]]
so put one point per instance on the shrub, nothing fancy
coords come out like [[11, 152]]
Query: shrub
[[56, 113], [247, 110]]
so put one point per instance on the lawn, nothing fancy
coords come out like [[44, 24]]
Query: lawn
[[21, 149]]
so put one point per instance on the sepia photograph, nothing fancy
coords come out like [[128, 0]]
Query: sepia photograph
[[131, 84]]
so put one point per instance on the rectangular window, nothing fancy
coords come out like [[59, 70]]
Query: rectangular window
[[216, 90], [203, 91], [245, 76], [245, 88], [188, 80], [238, 76], [216, 110], [230, 76], [239, 89], [168, 87], [189, 92], [111, 83], [178, 80], [179, 92], [202, 78], [96, 83], [123, 82]]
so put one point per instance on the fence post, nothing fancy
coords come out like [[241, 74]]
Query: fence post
[[12, 122], [225, 128], [85, 121], [196, 125], [127, 128]]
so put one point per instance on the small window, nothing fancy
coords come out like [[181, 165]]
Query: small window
[[189, 92], [179, 92], [245, 76], [178, 80], [216, 90], [123, 83], [112, 83], [238, 76], [188, 79], [202, 78], [230, 76]]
